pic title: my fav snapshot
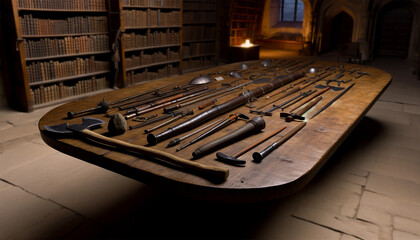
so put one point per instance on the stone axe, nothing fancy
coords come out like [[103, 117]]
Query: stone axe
[[216, 173]]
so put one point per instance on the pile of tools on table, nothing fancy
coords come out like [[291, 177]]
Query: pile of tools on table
[[293, 86]]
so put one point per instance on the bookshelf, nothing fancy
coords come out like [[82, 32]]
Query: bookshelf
[[150, 40], [199, 34], [245, 21], [61, 50]]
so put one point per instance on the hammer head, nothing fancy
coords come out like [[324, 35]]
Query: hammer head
[[65, 128], [230, 159]]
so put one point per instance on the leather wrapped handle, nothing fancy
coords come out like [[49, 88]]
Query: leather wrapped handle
[[216, 173]]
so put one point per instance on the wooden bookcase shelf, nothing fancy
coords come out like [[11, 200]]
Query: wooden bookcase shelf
[[62, 50], [150, 40], [245, 21], [73, 48], [199, 34]]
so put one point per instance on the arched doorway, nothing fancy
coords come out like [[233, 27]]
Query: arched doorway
[[393, 30], [341, 30]]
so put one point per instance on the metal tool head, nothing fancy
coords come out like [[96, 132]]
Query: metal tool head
[[291, 116], [235, 74], [243, 66], [313, 70], [65, 128], [335, 89], [260, 112], [200, 80], [241, 115], [230, 160], [265, 63]]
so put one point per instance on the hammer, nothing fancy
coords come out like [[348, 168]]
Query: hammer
[[82, 129]]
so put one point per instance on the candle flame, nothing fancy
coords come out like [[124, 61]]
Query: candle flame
[[247, 44]]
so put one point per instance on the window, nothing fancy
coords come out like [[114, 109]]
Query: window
[[291, 11]]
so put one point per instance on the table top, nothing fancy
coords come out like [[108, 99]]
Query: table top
[[286, 170]]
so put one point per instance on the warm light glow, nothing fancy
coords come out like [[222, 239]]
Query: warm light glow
[[247, 44]]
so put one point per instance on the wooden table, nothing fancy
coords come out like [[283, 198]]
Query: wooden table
[[283, 172]]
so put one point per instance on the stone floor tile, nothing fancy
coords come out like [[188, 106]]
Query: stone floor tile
[[18, 132], [348, 237], [389, 117], [5, 125], [394, 187], [14, 154], [398, 235], [345, 225], [292, 228], [389, 105], [78, 185], [396, 167], [393, 206], [410, 108], [26, 216], [407, 225], [373, 215]]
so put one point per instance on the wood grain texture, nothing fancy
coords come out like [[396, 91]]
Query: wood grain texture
[[281, 173]]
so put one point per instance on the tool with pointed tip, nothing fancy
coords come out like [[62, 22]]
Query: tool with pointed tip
[[101, 108], [232, 117], [310, 98], [190, 112], [332, 101], [217, 92], [275, 107], [298, 114], [154, 91], [259, 156], [82, 129], [233, 159], [176, 141]]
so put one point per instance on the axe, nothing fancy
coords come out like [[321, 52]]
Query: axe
[[216, 173]]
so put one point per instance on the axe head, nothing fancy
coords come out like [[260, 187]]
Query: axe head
[[65, 128]]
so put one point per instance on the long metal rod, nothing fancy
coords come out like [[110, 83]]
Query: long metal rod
[[181, 105], [332, 101], [139, 95], [176, 141], [258, 156]]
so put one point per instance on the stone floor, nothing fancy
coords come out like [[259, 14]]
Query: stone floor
[[370, 188]]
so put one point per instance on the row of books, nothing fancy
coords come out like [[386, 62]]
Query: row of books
[[152, 3], [155, 57], [199, 17], [202, 5], [150, 18], [64, 4], [42, 71], [151, 38], [194, 49], [198, 63], [72, 25], [146, 75], [199, 33], [44, 94], [65, 46]]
